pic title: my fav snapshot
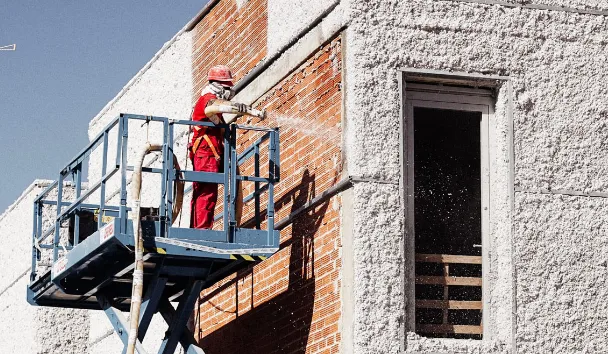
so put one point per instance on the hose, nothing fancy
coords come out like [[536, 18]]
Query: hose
[[138, 273], [178, 190]]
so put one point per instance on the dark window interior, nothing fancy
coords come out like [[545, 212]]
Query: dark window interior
[[447, 211]]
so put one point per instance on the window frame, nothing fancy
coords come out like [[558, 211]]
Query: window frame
[[453, 98]]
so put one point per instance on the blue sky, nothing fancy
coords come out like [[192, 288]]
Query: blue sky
[[72, 57]]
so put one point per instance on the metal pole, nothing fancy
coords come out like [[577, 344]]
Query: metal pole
[[271, 177], [34, 237], [118, 321], [124, 122], [178, 323], [78, 181], [233, 183], [150, 305], [162, 208], [226, 182], [187, 339], [39, 226], [171, 175], [256, 194], [277, 159], [104, 167], [57, 221]]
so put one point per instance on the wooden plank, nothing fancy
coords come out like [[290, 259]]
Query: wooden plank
[[439, 280], [447, 258], [449, 304], [446, 293], [447, 328]]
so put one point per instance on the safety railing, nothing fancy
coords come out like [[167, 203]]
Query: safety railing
[[254, 152], [54, 195], [74, 171]]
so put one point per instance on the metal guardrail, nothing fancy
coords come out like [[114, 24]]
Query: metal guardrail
[[73, 171]]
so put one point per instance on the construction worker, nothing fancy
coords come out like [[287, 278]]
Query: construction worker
[[206, 148]]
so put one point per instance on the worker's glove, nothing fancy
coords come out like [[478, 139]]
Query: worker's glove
[[241, 107]]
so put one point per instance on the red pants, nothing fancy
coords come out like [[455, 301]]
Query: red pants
[[204, 195]]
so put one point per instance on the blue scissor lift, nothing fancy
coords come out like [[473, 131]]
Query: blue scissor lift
[[94, 271]]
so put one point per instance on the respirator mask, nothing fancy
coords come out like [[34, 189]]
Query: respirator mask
[[221, 91]]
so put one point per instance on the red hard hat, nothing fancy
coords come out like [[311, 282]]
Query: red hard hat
[[220, 73]]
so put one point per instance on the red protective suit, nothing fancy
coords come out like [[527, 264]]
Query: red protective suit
[[204, 195]]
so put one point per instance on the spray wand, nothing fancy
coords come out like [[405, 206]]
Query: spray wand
[[223, 106]]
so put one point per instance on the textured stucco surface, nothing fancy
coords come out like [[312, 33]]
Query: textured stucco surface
[[16, 230], [562, 273], [286, 18], [378, 290], [60, 330], [557, 62], [158, 89], [17, 329], [26, 328]]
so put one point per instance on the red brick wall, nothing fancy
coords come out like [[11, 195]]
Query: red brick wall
[[230, 36], [290, 303]]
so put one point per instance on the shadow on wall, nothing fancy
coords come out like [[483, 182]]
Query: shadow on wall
[[281, 324]]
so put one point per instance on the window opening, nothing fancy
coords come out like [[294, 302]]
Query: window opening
[[448, 210]]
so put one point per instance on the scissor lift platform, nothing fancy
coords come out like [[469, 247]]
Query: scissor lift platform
[[95, 271], [103, 263]]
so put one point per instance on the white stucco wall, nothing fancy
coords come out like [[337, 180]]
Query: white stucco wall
[[557, 63], [25, 328], [18, 334], [562, 273]]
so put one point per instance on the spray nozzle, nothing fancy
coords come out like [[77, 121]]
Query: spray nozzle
[[260, 114]]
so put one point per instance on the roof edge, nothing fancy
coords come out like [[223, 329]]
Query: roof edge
[[200, 15], [37, 183]]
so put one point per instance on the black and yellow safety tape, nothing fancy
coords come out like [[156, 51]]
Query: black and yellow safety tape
[[248, 257], [155, 250]]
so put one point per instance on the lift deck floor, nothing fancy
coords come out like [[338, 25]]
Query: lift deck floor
[[101, 266]]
